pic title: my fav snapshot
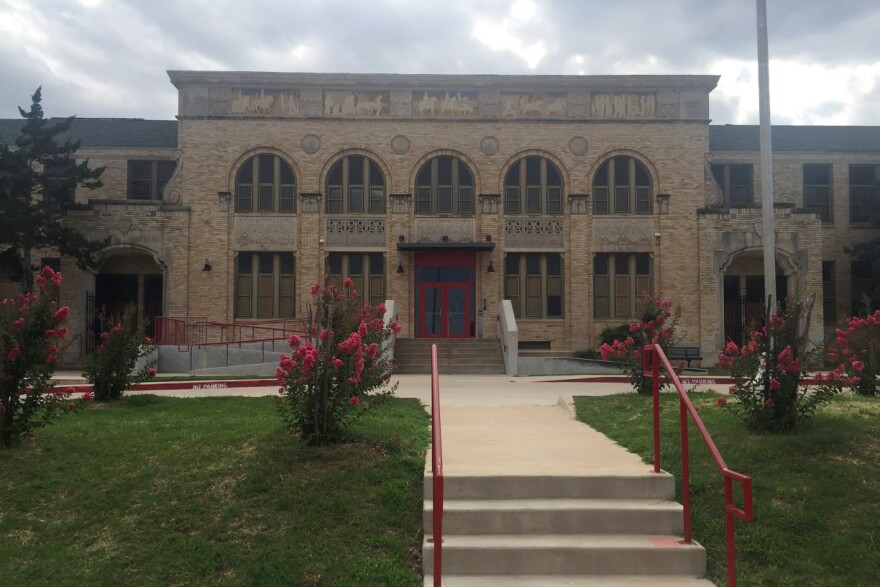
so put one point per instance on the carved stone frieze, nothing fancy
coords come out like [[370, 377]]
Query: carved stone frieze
[[456, 230], [623, 232], [490, 203], [579, 203], [624, 105], [359, 104], [400, 203], [310, 202], [533, 232], [264, 102], [258, 233], [445, 103], [543, 105], [361, 232]]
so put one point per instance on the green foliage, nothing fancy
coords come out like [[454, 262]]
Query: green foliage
[[656, 322], [30, 328], [770, 391], [38, 177], [612, 333], [857, 349], [111, 368], [327, 378]]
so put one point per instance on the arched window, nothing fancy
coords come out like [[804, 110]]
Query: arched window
[[270, 181], [356, 184], [622, 185], [533, 185], [445, 185]]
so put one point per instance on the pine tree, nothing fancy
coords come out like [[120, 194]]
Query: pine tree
[[38, 177]]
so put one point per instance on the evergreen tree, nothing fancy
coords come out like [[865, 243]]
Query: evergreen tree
[[38, 177]]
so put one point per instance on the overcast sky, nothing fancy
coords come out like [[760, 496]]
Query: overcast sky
[[108, 58]]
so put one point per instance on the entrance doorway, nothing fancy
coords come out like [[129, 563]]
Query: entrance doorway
[[127, 278], [445, 290], [744, 304]]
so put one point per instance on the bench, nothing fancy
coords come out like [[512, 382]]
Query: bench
[[684, 353]]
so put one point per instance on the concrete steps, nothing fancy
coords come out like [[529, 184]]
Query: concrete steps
[[458, 356], [562, 530]]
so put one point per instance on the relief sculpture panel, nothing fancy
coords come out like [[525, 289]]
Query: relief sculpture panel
[[533, 233], [357, 104], [456, 230], [356, 232], [545, 105], [452, 104], [623, 232], [253, 233], [265, 102], [620, 105]]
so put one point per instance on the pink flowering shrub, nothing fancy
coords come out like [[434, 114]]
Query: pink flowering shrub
[[656, 321], [857, 352], [770, 392], [32, 332], [328, 374], [112, 367]]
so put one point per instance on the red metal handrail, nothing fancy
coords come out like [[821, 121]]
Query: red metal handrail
[[436, 469], [686, 407]]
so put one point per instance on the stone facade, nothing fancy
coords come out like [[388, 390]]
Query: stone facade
[[400, 122]]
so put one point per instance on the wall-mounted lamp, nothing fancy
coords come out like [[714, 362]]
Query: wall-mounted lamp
[[401, 238], [488, 238], [445, 238], [657, 238], [207, 266], [490, 268], [399, 267], [223, 198]]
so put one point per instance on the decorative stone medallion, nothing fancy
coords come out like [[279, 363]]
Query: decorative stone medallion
[[577, 145], [310, 143], [400, 144], [490, 145]]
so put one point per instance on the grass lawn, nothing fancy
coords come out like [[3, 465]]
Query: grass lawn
[[817, 492], [213, 491]]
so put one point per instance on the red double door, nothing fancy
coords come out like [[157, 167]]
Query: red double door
[[445, 294]]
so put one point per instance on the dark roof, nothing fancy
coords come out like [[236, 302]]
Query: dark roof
[[107, 132], [745, 137]]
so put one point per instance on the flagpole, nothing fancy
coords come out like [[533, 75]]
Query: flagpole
[[769, 228]]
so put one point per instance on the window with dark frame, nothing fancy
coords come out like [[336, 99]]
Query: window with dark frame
[[445, 185], [817, 190], [58, 172], [265, 183], [736, 183], [829, 292], [366, 270], [265, 285], [619, 279], [864, 193], [533, 185], [622, 185], [147, 179], [355, 185], [533, 284]]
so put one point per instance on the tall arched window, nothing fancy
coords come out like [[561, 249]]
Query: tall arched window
[[265, 183], [445, 185], [533, 185], [622, 185], [356, 184]]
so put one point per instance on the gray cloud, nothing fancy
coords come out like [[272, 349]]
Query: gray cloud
[[110, 60]]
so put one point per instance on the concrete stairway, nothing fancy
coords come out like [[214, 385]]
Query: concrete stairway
[[533, 498], [457, 356]]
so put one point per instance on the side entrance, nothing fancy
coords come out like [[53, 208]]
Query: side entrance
[[445, 294]]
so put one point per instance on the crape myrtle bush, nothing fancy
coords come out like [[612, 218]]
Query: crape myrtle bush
[[771, 391], [31, 330], [656, 322], [111, 367], [338, 368], [856, 351]]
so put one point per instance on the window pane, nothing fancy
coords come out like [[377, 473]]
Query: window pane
[[817, 174], [423, 200], [600, 296], [377, 264], [266, 168], [554, 297], [533, 171], [643, 264], [266, 262], [553, 178], [511, 200], [554, 264], [287, 176], [377, 200], [377, 178], [334, 263], [267, 197], [246, 172], [600, 264], [444, 170], [642, 177], [512, 177], [464, 174], [718, 173], [511, 292], [243, 285], [601, 178], [335, 175], [621, 264], [424, 177], [621, 171], [286, 263], [286, 293], [643, 200], [245, 263], [533, 199], [355, 169], [533, 296], [444, 199], [141, 189], [861, 174], [533, 264], [287, 198], [165, 170], [511, 264], [334, 199], [265, 295], [600, 200], [140, 170], [643, 285], [621, 296], [377, 289], [739, 196], [466, 200], [355, 198], [621, 199], [355, 264], [554, 200], [741, 175], [357, 283]]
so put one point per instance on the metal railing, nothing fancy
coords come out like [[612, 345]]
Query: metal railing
[[198, 330], [436, 469], [686, 408]]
